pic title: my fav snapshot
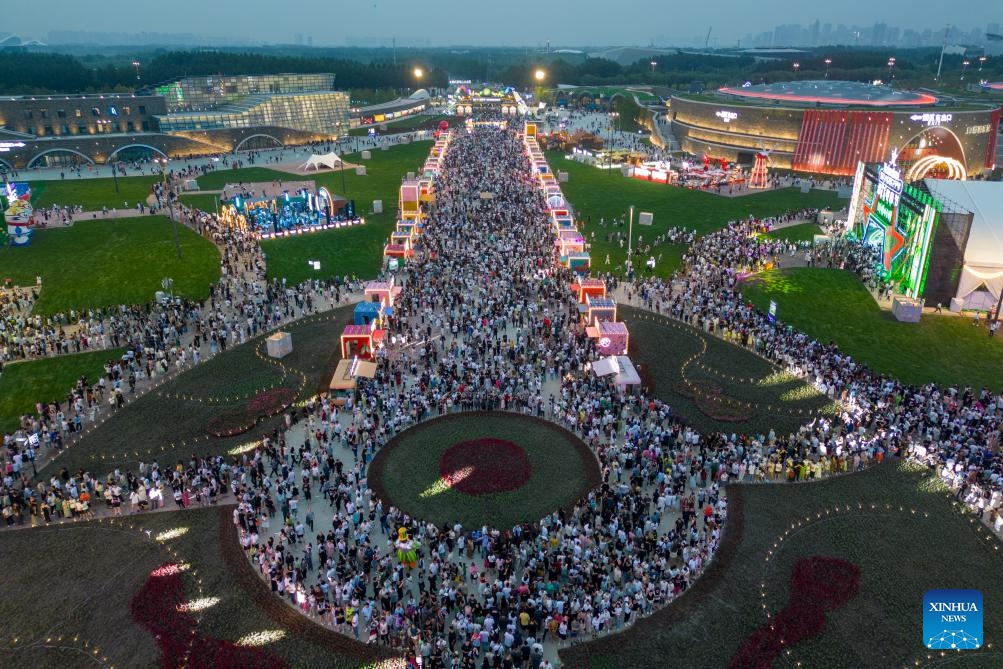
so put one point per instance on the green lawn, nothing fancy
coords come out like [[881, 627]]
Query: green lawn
[[170, 422], [803, 232], [407, 472], [900, 555], [92, 193], [834, 305], [201, 201], [357, 250], [86, 573], [597, 194], [756, 396], [50, 379], [108, 262]]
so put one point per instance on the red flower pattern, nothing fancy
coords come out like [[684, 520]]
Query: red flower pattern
[[159, 607], [818, 584], [484, 466]]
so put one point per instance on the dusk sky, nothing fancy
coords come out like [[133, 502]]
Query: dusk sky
[[448, 22]]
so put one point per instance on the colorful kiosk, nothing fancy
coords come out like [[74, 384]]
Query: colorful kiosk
[[344, 381], [585, 287], [611, 337], [598, 308], [361, 341]]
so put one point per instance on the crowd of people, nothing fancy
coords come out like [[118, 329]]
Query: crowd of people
[[492, 326]]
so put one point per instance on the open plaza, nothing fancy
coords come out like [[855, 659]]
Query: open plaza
[[503, 385]]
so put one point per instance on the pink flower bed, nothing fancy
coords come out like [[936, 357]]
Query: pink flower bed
[[484, 466]]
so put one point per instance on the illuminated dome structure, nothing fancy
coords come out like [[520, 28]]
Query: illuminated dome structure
[[827, 127]]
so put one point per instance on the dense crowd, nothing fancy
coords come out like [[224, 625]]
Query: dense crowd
[[491, 325]]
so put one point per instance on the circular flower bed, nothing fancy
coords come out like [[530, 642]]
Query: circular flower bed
[[484, 466]]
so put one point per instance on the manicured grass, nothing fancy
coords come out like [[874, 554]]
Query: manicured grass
[[93, 193], [170, 422], [85, 575], [803, 232], [216, 179], [357, 250], [407, 471], [756, 392], [201, 201], [25, 383], [596, 194], [108, 262], [901, 555], [833, 305]]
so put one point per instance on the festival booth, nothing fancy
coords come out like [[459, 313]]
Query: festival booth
[[562, 220], [400, 251], [385, 292], [344, 381], [658, 171], [585, 287], [577, 262], [601, 308], [367, 312], [361, 340], [619, 368], [611, 337], [409, 201], [569, 241], [409, 228], [15, 202]]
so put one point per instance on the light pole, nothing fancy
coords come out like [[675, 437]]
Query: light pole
[[828, 62], [135, 64], [982, 61], [170, 204], [797, 66], [653, 64], [630, 232], [891, 64], [964, 67]]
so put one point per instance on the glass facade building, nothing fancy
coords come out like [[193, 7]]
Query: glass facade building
[[304, 102]]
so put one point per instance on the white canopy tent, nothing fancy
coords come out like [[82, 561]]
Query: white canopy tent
[[621, 366], [984, 251], [328, 160]]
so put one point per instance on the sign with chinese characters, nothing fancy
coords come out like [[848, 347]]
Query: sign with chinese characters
[[931, 119], [978, 129], [726, 116]]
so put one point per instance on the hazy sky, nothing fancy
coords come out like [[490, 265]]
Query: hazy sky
[[450, 22]]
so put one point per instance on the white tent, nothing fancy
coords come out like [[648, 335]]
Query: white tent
[[328, 160], [621, 366], [984, 252]]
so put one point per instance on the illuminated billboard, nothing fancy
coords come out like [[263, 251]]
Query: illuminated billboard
[[898, 219]]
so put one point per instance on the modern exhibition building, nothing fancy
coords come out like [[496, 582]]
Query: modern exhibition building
[[191, 116], [828, 127]]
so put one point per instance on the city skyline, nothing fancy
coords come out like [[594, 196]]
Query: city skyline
[[521, 23]]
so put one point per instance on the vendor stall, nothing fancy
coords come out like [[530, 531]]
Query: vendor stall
[[361, 341]]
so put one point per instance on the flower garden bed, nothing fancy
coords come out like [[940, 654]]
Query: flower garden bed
[[264, 404], [483, 468]]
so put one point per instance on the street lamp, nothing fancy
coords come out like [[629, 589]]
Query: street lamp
[[797, 66], [982, 61], [964, 67], [539, 75], [653, 64], [135, 64], [891, 64], [828, 62], [418, 73], [170, 203]]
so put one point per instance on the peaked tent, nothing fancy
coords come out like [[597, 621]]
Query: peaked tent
[[982, 274], [328, 160]]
